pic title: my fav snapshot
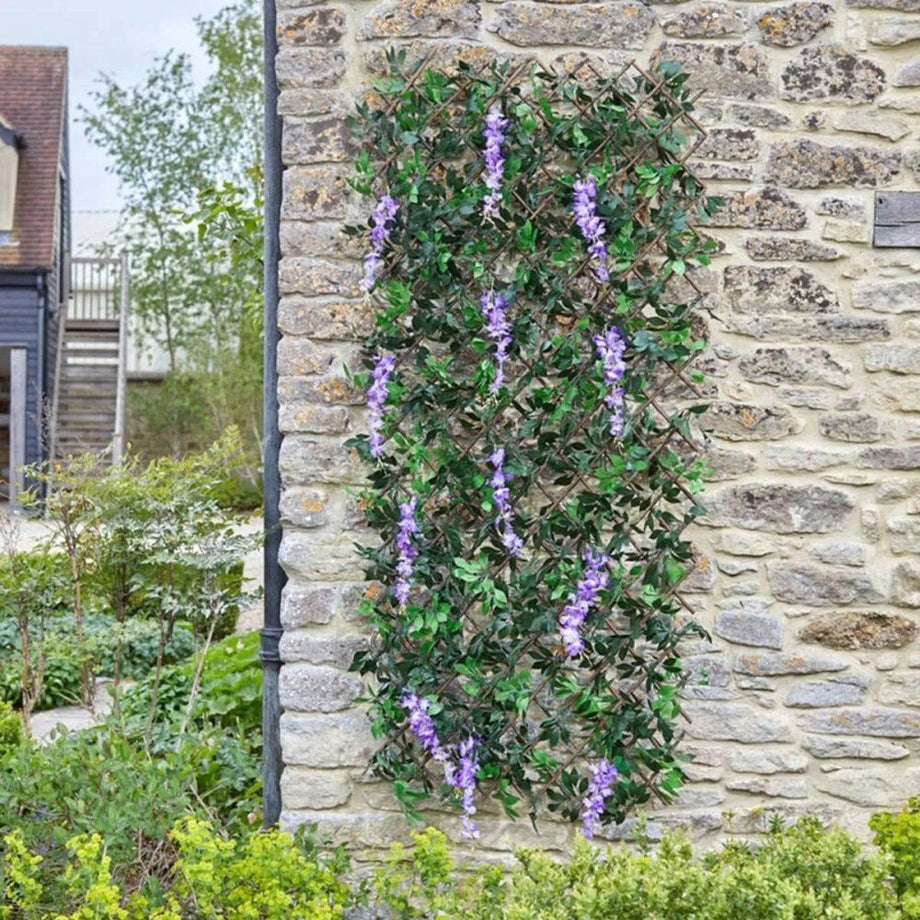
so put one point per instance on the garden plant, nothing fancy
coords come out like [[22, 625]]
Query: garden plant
[[531, 445]]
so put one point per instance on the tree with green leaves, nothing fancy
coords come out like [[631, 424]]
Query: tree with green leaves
[[188, 158]]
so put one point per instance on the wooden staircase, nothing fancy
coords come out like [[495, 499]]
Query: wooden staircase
[[90, 384], [87, 387]]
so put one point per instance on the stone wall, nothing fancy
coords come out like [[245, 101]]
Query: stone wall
[[808, 698]]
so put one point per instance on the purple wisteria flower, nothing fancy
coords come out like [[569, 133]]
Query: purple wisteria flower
[[377, 394], [582, 600], [381, 224], [423, 726], [408, 551], [600, 788], [592, 227], [494, 134], [611, 348], [502, 495], [464, 780], [498, 328]]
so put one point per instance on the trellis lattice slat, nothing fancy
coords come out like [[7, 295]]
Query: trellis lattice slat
[[479, 637]]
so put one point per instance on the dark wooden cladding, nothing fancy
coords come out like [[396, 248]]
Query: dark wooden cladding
[[897, 220]]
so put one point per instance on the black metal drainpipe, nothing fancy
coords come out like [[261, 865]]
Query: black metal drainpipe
[[274, 576]]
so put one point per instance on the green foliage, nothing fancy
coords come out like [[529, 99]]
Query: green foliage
[[193, 224], [480, 635], [230, 693], [898, 835], [11, 733], [265, 876], [804, 873]]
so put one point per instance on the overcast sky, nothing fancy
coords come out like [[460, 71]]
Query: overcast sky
[[117, 37]]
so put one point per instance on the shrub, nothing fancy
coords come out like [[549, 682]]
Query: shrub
[[898, 835], [11, 733]]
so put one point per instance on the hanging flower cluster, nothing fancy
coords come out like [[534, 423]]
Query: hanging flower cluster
[[494, 135], [611, 349], [460, 776], [592, 227], [377, 395], [381, 224], [498, 328], [464, 781], [502, 497], [600, 787], [408, 551], [582, 601]]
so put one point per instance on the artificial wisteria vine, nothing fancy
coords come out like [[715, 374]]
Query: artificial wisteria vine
[[460, 776], [494, 134], [408, 551], [501, 495], [600, 787], [377, 394], [611, 349], [381, 224], [582, 601], [498, 328], [592, 227], [527, 431]]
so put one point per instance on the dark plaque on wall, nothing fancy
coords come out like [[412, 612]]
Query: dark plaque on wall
[[897, 219]]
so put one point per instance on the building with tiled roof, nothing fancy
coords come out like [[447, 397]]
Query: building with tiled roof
[[34, 240]]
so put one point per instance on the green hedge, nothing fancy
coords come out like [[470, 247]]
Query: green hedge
[[801, 873]]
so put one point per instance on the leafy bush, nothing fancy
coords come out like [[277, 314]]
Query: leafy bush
[[898, 835], [10, 729], [804, 873]]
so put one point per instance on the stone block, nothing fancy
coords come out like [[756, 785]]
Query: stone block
[[854, 427], [715, 721], [785, 365], [618, 24], [317, 140], [776, 665], [804, 459], [760, 209], [327, 741], [896, 359], [314, 193], [758, 116], [308, 605], [784, 787], [788, 249], [706, 20], [309, 688], [305, 459], [320, 557], [877, 722], [321, 648], [829, 748], [298, 67], [302, 787], [307, 418], [729, 144], [908, 74], [808, 164], [841, 552], [848, 690], [745, 422], [820, 586], [768, 761], [305, 507], [831, 72], [332, 390], [900, 296], [738, 71], [779, 508], [324, 26], [836, 328], [337, 321], [432, 18], [745, 628], [895, 31], [889, 458], [866, 787], [872, 123], [763, 289], [903, 534], [794, 23], [299, 357], [905, 584]]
